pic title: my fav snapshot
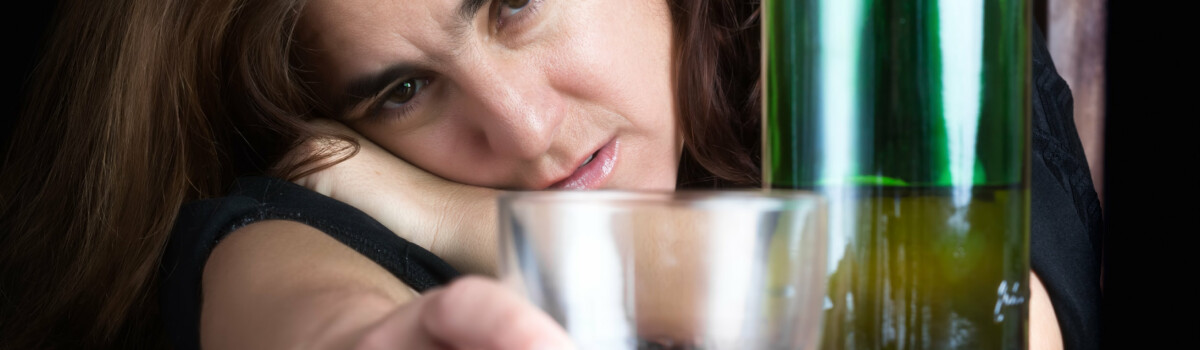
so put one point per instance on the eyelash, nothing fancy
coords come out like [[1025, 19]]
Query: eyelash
[[529, 10], [399, 112], [381, 111]]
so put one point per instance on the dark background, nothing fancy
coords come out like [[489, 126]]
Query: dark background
[[1147, 150], [28, 25], [1150, 198]]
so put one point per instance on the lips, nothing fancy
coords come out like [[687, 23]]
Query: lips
[[589, 160], [593, 171]]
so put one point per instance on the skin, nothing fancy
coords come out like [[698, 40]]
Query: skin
[[527, 96], [284, 285], [527, 100]]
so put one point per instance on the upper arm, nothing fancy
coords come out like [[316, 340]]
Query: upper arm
[[277, 284], [1044, 332]]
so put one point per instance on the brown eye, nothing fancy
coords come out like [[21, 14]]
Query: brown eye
[[509, 8], [405, 92]]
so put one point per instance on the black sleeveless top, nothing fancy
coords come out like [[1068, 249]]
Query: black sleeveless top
[[1065, 239], [1066, 226], [202, 224]]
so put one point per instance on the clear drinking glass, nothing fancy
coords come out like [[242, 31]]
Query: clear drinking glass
[[678, 270]]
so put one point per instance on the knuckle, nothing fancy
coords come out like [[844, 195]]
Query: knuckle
[[442, 310]]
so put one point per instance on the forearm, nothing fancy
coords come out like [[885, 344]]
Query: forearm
[[466, 233], [456, 222]]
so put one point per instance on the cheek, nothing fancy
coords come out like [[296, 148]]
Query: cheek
[[617, 54], [618, 57], [622, 62]]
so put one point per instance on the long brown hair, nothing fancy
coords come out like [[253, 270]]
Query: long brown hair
[[135, 108], [717, 66], [138, 106]]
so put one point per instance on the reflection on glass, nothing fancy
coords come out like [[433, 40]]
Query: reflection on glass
[[711, 270]]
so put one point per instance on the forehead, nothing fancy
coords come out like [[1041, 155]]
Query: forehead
[[350, 18], [348, 37], [331, 14], [369, 29]]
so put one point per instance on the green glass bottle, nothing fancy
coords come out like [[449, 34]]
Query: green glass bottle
[[912, 117]]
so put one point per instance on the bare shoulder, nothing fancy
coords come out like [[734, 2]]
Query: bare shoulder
[[279, 283]]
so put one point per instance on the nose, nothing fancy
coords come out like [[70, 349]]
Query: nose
[[513, 106]]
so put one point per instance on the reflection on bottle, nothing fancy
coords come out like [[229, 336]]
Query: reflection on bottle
[[1006, 297]]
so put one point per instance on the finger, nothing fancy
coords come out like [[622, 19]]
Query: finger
[[399, 330], [476, 313]]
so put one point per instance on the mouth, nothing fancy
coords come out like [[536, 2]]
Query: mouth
[[592, 172]]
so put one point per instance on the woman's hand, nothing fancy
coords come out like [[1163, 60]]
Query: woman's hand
[[471, 313], [454, 221], [280, 284]]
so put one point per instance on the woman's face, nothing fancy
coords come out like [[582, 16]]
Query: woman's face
[[546, 94]]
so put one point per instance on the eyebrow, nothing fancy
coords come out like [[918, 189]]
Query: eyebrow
[[468, 9], [371, 86]]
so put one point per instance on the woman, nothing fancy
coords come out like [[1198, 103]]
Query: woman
[[151, 104]]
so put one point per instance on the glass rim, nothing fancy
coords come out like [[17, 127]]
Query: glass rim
[[680, 198]]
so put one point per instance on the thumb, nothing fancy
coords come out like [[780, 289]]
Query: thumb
[[477, 313]]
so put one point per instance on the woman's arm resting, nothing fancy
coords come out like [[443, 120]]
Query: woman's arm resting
[[456, 222], [282, 284]]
